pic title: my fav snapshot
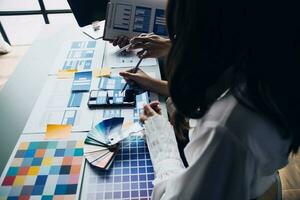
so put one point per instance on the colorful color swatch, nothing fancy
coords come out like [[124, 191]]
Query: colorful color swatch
[[100, 147], [130, 176], [40, 169]]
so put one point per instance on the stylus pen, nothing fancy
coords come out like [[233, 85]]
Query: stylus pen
[[136, 68], [128, 45], [123, 48]]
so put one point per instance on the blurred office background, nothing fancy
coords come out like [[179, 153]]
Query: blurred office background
[[22, 21]]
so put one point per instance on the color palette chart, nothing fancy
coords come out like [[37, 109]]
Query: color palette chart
[[44, 169], [130, 176]]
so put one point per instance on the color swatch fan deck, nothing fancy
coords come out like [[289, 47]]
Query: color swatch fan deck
[[101, 143], [98, 149]]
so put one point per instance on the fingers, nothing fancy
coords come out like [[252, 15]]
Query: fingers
[[124, 42], [115, 42], [128, 75], [143, 118], [146, 45], [148, 111], [155, 105], [148, 54], [136, 40], [121, 41]]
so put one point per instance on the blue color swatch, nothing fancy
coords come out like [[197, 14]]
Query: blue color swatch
[[82, 81], [75, 99]]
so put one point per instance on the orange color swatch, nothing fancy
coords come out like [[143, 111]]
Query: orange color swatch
[[58, 131]]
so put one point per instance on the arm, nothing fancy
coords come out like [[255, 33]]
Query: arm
[[146, 82], [155, 45], [220, 167]]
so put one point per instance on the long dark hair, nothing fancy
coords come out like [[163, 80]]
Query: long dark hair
[[258, 40]]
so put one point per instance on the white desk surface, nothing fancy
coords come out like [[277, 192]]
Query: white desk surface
[[20, 93]]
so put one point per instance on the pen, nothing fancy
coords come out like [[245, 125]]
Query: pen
[[123, 48], [128, 45], [136, 68]]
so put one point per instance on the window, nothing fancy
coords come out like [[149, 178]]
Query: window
[[16, 16]]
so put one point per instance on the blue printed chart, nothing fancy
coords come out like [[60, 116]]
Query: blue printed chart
[[142, 19], [82, 81], [122, 18], [57, 104], [159, 27], [130, 176], [78, 55]]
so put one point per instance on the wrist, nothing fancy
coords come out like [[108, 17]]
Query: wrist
[[159, 87]]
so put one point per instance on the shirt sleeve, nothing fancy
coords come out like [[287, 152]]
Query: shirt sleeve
[[163, 148], [220, 168]]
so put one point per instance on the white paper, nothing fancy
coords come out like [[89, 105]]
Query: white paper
[[52, 108], [106, 113], [124, 59], [131, 18], [70, 58]]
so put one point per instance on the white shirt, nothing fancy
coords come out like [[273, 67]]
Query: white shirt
[[233, 154]]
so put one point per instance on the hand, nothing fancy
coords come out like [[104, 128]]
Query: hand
[[140, 78], [155, 45], [150, 110], [121, 41]]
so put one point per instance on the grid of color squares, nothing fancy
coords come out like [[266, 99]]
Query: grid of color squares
[[130, 176], [44, 170]]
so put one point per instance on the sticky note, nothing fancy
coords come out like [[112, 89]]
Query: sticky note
[[103, 72], [66, 74], [58, 131]]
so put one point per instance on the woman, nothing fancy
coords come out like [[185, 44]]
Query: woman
[[243, 137]]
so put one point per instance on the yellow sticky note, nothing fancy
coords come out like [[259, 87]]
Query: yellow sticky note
[[66, 74], [103, 72], [58, 131]]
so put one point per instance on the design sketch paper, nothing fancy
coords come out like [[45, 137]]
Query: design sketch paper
[[58, 105]]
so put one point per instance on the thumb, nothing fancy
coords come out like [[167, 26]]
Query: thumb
[[148, 110]]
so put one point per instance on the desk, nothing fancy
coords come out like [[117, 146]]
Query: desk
[[20, 93]]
